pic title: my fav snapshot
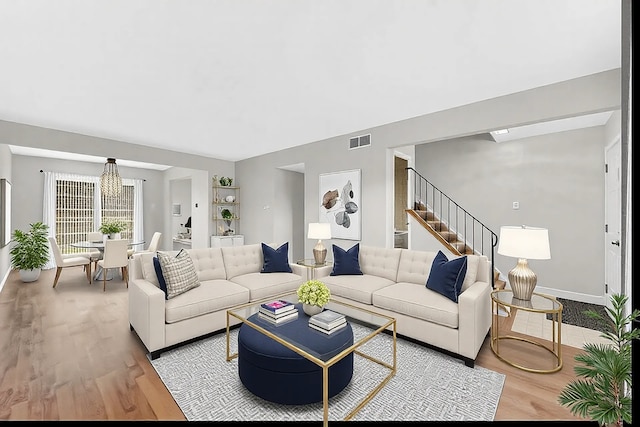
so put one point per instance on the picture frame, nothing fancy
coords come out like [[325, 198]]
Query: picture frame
[[176, 209], [5, 212], [341, 203]]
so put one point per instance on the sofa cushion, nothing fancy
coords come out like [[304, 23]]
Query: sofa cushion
[[346, 262], [245, 259], [276, 260], [417, 301], [179, 273], [208, 263], [211, 296], [473, 262], [148, 270], [446, 276], [265, 285], [355, 287], [162, 283]]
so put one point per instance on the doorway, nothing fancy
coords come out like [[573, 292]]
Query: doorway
[[400, 202]]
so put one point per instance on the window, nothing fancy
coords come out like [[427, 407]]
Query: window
[[74, 206]]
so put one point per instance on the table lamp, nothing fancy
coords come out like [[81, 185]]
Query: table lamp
[[524, 243], [319, 230]]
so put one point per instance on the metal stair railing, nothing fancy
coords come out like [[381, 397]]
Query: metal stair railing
[[476, 236]]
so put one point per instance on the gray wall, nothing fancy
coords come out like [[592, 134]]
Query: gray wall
[[28, 188], [590, 94], [5, 172], [558, 180], [259, 177]]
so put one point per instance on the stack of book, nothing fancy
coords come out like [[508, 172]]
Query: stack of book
[[328, 321], [278, 311]]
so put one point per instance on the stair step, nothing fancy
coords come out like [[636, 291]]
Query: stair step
[[426, 215], [438, 225]]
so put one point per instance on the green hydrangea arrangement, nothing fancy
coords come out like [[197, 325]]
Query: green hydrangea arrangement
[[314, 292]]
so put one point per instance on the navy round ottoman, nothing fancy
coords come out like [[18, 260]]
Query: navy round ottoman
[[275, 373]]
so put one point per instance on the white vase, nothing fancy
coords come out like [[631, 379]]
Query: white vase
[[114, 236], [310, 310], [30, 275]]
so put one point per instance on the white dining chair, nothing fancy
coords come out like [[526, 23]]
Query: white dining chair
[[96, 254], [115, 256], [68, 261], [153, 245]]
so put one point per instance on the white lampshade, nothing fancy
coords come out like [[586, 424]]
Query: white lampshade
[[319, 230], [524, 242]]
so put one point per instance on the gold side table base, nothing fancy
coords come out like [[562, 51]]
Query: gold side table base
[[540, 303]]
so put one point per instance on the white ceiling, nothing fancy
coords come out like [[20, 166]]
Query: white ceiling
[[233, 79]]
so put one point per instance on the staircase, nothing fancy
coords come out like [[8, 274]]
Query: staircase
[[450, 224]]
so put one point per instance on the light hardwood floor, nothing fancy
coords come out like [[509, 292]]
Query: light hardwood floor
[[68, 354]]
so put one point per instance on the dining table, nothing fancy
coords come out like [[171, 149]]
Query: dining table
[[99, 245]]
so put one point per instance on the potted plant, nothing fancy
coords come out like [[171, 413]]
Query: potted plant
[[313, 294], [604, 391], [225, 181], [31, 251], [112, 228], [227, 215]]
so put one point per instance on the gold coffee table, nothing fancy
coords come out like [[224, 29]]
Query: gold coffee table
[[539, 303], [376, 322]]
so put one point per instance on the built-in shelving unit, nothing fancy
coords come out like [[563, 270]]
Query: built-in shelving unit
[[226, 197]]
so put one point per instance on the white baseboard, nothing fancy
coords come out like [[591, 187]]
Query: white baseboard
[[573, 296], [4, 279]]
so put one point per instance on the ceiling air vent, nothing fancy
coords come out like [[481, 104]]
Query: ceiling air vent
[[360, 141]]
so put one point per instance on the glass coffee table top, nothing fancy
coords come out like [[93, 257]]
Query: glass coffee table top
[[374, 321]]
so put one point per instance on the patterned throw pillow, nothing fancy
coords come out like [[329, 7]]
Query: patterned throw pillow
[[179, 273]]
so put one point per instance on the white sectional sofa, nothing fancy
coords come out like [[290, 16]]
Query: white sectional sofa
[[228, 276], [392, 283]]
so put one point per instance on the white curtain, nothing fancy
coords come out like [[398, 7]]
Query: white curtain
[[49, 212], [138, 202]]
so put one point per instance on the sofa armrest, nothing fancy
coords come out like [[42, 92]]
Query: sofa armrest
[[147, 313], [474, 321]]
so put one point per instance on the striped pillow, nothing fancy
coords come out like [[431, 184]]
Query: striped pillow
[[179, 273]]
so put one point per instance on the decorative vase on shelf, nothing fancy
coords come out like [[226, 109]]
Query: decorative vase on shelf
[[311, 310]]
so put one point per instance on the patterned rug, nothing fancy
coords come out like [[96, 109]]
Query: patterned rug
[[428, 386]]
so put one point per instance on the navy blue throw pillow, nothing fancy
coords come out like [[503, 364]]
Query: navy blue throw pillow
[[346, 262], [161, 281], [276, 260], [446, 276]]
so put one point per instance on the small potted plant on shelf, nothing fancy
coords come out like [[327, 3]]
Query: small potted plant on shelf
[[314, 295], [225, 181], [31, 251], [112, 228], [603, 392]]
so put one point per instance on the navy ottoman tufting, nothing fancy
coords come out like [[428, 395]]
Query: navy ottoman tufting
[[275, 373]]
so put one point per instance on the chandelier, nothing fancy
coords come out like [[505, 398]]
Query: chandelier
[[110, 181]]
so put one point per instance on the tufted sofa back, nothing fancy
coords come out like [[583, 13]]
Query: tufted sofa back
[[208, 263], [381, 262]]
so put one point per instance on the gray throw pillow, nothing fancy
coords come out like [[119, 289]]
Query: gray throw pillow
[[179, 273]]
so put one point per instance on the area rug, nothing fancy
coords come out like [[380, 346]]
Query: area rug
[[573, 314], [428, 386]]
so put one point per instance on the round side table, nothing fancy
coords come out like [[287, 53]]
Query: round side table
[[503, 301]]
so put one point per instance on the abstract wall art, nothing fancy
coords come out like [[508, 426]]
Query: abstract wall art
[[340, 203]]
